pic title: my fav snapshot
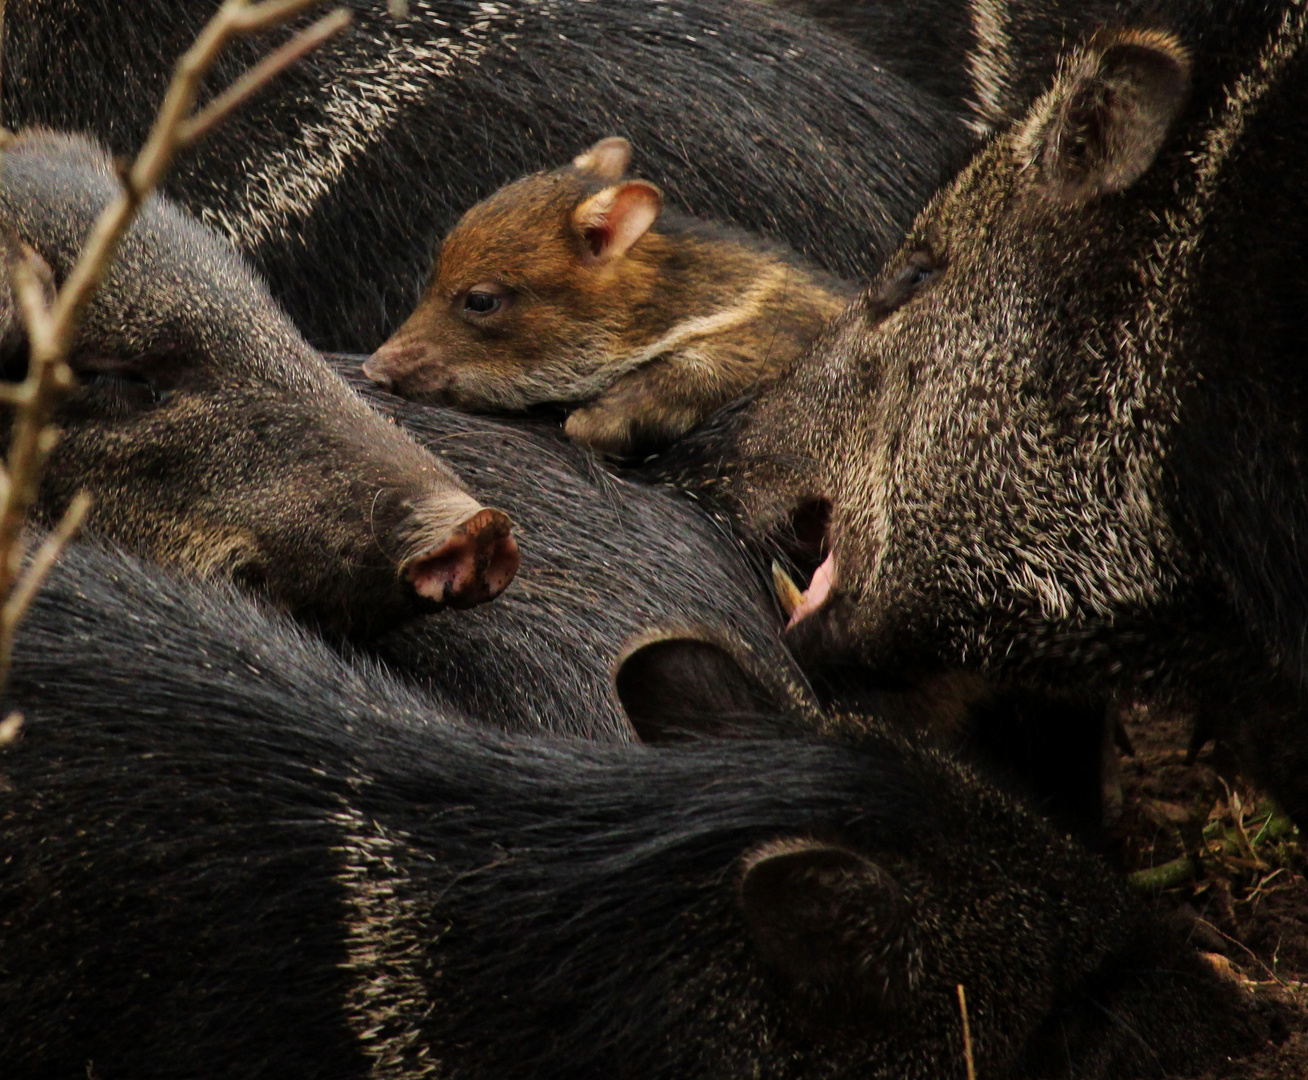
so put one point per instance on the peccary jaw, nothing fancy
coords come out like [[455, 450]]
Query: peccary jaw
[[212, 437]]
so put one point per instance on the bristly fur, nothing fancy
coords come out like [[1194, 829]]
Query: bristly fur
[[340, 178], [1076, 453], [987, 59], [674, 321], [230, 854]]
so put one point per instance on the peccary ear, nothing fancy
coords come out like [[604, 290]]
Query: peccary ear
[[830, 920], [607, 159], [678, 686], [1102, 124], [610, 221]]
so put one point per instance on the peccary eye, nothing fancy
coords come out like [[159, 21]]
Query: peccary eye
[[917, 270], [914, 275], [117, 392], [482, 303], [483, 299]]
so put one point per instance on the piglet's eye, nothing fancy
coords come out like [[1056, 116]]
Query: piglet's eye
[[482, 303]]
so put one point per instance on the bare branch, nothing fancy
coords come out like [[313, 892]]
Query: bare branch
[[52, 326], [260, 75], [43, 562]]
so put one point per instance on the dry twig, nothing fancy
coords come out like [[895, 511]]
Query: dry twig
[[967, 1034], [52, 329]]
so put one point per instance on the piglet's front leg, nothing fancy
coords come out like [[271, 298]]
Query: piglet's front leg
[[650, 408]]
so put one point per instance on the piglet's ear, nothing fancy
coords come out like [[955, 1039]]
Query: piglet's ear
[[676, 686], [1102, 124], [607, 159], [610, 221], [830, 920]]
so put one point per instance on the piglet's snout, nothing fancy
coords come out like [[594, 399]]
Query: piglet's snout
[[458, 553]]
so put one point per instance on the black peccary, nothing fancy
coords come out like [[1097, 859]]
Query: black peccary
[[339, 179], [989, 59], [230, 854], [212, 437], [603, 560], [1064, 434]]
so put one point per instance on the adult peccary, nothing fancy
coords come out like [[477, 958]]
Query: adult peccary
[[604, 559], [212, 437], [341, 177], [229, 854], [987, 58], [1064, 434]]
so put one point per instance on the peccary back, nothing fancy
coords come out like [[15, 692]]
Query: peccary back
[[230, 854], [603, 560], [339, 180]]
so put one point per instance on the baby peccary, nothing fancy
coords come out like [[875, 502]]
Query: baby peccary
[[567, 286]]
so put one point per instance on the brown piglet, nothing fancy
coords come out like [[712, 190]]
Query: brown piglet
[[573, 286]]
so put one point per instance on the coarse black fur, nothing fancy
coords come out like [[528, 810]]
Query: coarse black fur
[[208, 433], [987, 58], [341, 177], [228, 853], [604, 558], [1072, 451]]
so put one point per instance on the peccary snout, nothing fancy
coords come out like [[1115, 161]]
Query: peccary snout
[[457, 559], [211, 436]]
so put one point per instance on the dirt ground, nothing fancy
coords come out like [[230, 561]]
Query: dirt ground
[[1216, 854]]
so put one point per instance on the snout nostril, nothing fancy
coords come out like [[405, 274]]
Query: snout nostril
[[475, 564]]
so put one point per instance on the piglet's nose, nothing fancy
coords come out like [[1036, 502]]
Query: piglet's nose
[[475, 564], [375, 369]]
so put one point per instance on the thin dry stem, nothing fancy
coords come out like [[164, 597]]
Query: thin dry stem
[[261, 74], [52, 329], [33, 577], [967, 1034]]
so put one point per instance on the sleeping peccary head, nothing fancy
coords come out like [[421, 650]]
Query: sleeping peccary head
[[212, 437], [1062, 437]]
